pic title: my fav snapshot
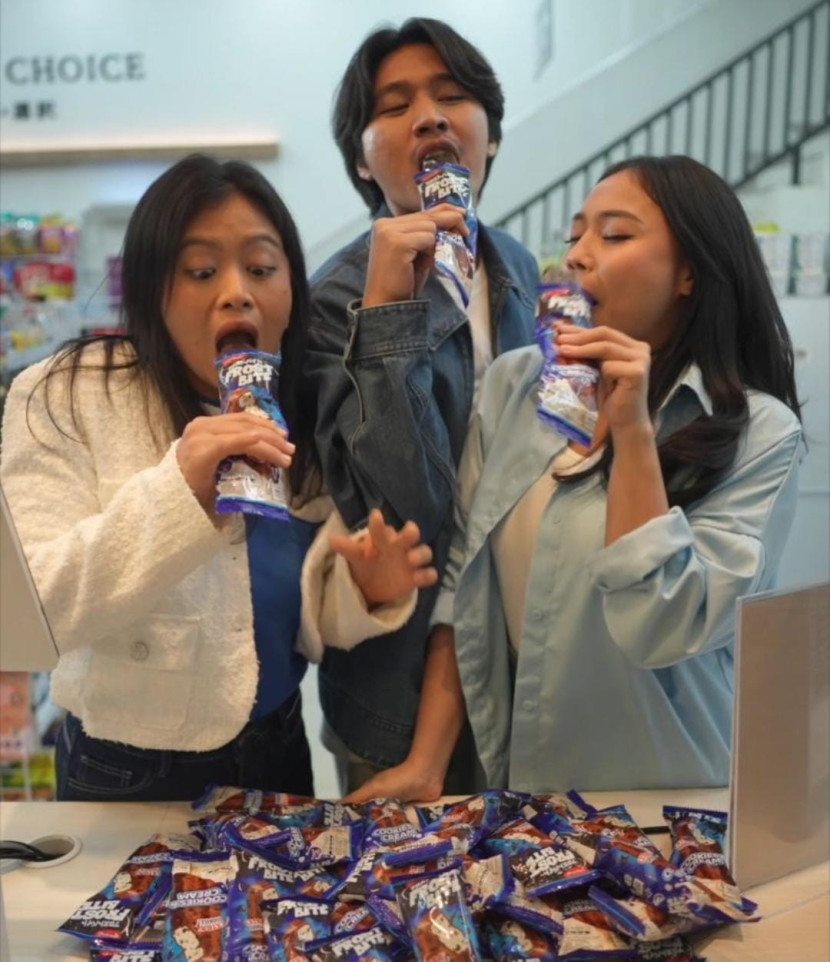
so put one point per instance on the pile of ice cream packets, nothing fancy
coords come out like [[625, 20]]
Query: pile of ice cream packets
[[502, 875]]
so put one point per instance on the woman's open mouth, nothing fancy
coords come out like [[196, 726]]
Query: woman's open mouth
[[237, 337]]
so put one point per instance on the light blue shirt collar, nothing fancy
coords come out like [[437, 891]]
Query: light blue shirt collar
[[691, 378]]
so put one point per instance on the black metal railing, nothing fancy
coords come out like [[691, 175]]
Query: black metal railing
[[756, 111]]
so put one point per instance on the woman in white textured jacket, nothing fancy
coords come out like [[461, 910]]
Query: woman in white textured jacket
[[177, 627]]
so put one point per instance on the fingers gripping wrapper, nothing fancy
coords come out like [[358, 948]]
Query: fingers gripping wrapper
[[248, 381], [455, 256], [567, 389]]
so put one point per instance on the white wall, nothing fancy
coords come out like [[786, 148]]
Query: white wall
[[612, 96], [271, 66]]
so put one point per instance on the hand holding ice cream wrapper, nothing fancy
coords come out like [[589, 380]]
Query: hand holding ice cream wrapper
[[248, 382], [455, 256], [567, 389]]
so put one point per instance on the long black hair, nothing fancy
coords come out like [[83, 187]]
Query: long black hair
[[151, 249], [355, 98], [731, 326]]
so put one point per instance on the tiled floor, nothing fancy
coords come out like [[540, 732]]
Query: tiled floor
[[325, 779]]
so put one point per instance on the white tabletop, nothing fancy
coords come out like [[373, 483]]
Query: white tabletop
[[795, 909]]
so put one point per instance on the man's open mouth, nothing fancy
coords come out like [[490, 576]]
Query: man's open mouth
[[438, 156]]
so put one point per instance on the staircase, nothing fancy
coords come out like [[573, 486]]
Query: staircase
[[756, 111]]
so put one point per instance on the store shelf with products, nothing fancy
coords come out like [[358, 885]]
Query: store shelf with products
[[51, 288], [797, 262], [28, 724]]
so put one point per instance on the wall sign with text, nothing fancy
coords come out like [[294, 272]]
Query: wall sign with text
[[32, 86], [59, 106]]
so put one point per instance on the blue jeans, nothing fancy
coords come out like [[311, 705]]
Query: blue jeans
[[269, 753]]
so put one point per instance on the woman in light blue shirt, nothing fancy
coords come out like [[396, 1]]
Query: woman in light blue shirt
[[586, 620]]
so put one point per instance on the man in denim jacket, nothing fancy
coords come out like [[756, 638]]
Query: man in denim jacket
[[395, 357]]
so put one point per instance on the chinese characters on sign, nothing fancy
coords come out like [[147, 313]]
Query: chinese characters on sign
[[22, 74], [31, 110]]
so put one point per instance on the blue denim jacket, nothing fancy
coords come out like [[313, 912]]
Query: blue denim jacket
[[624, 674], [394, 385]]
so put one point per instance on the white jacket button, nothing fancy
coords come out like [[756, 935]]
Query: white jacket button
[[139, 651]]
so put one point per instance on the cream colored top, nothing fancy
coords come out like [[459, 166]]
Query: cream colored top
[[514, 541]]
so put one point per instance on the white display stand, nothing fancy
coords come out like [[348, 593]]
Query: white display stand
[[780, 799]]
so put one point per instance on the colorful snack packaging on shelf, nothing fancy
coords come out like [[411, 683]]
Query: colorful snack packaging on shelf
[[698, 838], [131, 895], [455, 255], [248, 381], [197, 912], [567, 389], [51, 234], [45, 280], [439, 920]]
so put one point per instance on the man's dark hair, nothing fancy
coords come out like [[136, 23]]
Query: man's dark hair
[[355, 98]]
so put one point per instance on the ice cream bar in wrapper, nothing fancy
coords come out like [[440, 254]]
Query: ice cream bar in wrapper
[[249, 381], [567, 389], [455, 256]]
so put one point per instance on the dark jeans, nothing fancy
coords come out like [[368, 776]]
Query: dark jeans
[[269, 753]]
